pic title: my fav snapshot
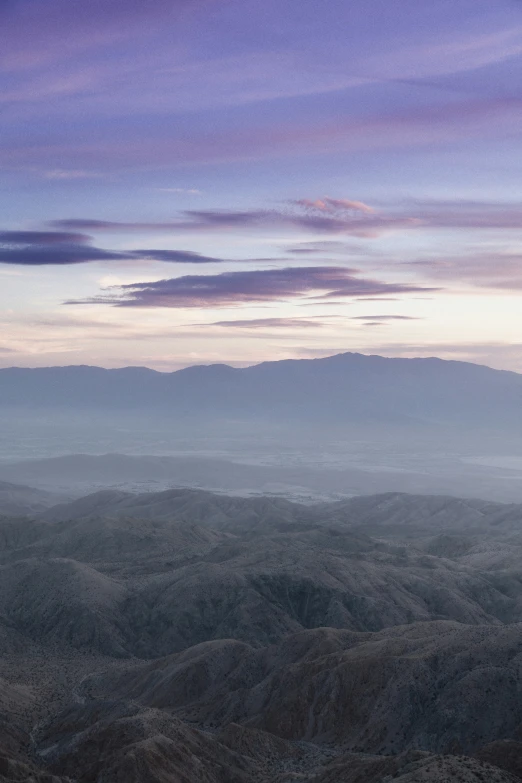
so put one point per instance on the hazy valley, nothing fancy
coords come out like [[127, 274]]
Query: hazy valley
[[307, 430]]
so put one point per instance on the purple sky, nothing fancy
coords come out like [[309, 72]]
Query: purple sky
[[192, 181]]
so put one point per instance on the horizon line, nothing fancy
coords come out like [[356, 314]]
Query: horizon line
[[258, 364]]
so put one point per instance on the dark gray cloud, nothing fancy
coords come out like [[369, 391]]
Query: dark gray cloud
[[234, 288]]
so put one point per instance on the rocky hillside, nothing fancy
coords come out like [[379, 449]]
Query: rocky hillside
[[184, 636], [20, 500]]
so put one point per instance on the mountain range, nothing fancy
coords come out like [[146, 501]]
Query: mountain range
[[311, 429], [343, 389]]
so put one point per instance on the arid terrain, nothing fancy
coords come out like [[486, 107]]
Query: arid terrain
[[186, 636]]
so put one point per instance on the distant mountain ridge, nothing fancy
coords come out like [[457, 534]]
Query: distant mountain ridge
[[345, 388]]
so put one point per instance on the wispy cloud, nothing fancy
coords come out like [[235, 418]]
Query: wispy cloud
[[493, 270], [235, 288], [176, 256], [188, 191], [405, 128], [62, 248], [57, 255], [384, 318], [41, 238], [31, 35], [65, 174], [330, 247], [294, 215], [304, 215], [298, 215], [270, 323], [334, 206]]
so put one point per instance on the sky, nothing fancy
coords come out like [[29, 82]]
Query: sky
[[198, 181]]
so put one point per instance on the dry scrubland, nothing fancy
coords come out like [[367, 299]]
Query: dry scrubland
[[184, 636]]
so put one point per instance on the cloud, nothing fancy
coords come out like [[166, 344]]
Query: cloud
[[235, 288], [188, 191], [65, 174], [43, 248], [89, 224], [61, 248], [66, 322], [381, 320], [176, 256], [41, 237], [261, 323], [33, 30], [384, 318], [65, 247], [61, 255], [330, 246], [465, 214], [294, 216], [500, 270], [334, 205], [304, 215], [320, 302], [249, 139]]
